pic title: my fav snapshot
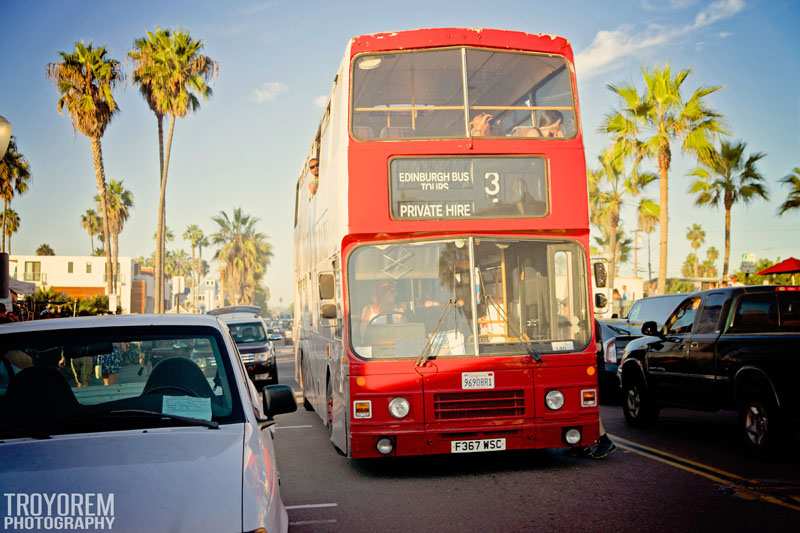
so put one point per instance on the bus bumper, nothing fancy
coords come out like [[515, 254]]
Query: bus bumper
[[526, 436]]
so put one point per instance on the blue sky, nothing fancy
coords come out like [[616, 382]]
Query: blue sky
[[277, 58]]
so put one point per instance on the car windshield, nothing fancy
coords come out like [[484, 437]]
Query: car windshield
[[247, 332], [105, 379], [519, 296], [655, 309]]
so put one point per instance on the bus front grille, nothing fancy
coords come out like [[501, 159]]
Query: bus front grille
[[482, 404]]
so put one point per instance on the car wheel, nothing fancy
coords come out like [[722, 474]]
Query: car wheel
[[760, 425], [637, 403]]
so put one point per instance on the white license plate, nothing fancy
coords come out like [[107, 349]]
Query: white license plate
[[259, 377], [482, 445], [477, 380]]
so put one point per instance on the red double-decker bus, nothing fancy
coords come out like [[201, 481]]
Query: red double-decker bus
[[441, 248]]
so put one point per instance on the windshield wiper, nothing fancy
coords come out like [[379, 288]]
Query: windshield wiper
[[426, 354], [211, 424]]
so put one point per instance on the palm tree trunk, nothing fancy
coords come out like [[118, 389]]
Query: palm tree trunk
[[194, 279], [162, 200], [727, 258], [612, 248], [116, 262], [663, 217], [158, 289], [5, 210], [100, 178], [91, 243]]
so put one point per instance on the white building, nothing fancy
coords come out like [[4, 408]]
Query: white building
[[75, 276]]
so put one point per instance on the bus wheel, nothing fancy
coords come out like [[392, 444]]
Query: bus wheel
[[306, 404], [329, 404]]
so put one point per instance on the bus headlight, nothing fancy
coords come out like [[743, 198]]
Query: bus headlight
[[399, 407], [554, 400]]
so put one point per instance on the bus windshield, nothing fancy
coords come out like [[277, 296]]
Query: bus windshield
[[423, 94], [518, 294]]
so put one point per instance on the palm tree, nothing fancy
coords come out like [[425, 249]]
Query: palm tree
[[174, 74], [92, 224], [607, 189], [15, 175], [646, 126], [45, 249], [168, 235], [647, 212], [85, 79], [696, 236], [793, 198], [120, 202], [244, 254], [194, 235], [11, 223], [726, 176]]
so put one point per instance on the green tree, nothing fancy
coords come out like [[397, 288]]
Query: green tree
[[243, 255], [11, 223], [92, 224], [648, 213], [793, 198], [647, 124], [45, 249], [15, 176], [195, 236], [173, 75], [120, 203], [726, 176], [690, 264], [85, 79], [608, 187]]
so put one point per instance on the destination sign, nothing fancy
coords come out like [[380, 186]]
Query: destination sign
[[461, 187]]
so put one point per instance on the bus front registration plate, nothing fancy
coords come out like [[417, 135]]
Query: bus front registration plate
[[482, 445], [477, 380]]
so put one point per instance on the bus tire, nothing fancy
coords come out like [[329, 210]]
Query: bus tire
[[306, 404], [329, 405], [638, 404]]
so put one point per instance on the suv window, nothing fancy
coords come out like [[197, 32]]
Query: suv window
[[789, 304], [681, 321], [710, 315], [656, 309], [756, 313]]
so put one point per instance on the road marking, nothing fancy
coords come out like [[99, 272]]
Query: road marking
[[312, 522], [743, 487], [311, 506], [294, 427]]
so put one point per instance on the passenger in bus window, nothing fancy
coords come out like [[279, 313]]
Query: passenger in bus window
[[480, 125], [313, 167], [550, 125]]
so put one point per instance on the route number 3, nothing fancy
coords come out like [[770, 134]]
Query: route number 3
[[492, 186]]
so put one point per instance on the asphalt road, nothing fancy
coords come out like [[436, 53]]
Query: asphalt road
[[686, 473]]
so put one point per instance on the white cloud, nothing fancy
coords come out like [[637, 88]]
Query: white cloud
[[268, 91], [724, 34], [659, 5], [611, 46], [321, 101], [717, 10]]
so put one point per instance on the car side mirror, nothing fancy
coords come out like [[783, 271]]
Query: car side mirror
[[328, 311], [650, 328], [600, 300], [600, 275], [278, 400]]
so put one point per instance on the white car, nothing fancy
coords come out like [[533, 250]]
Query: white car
[[112, 420]]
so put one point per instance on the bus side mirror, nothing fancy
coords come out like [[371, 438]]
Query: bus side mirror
[[600, 301], [328, 311], [600, 275]]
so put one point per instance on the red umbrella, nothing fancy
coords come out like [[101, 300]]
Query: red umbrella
[[787, 266]]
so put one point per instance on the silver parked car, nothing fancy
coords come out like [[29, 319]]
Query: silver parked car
[[151, 419]]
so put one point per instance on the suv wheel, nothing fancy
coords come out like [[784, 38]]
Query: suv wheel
[[637, 403]]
